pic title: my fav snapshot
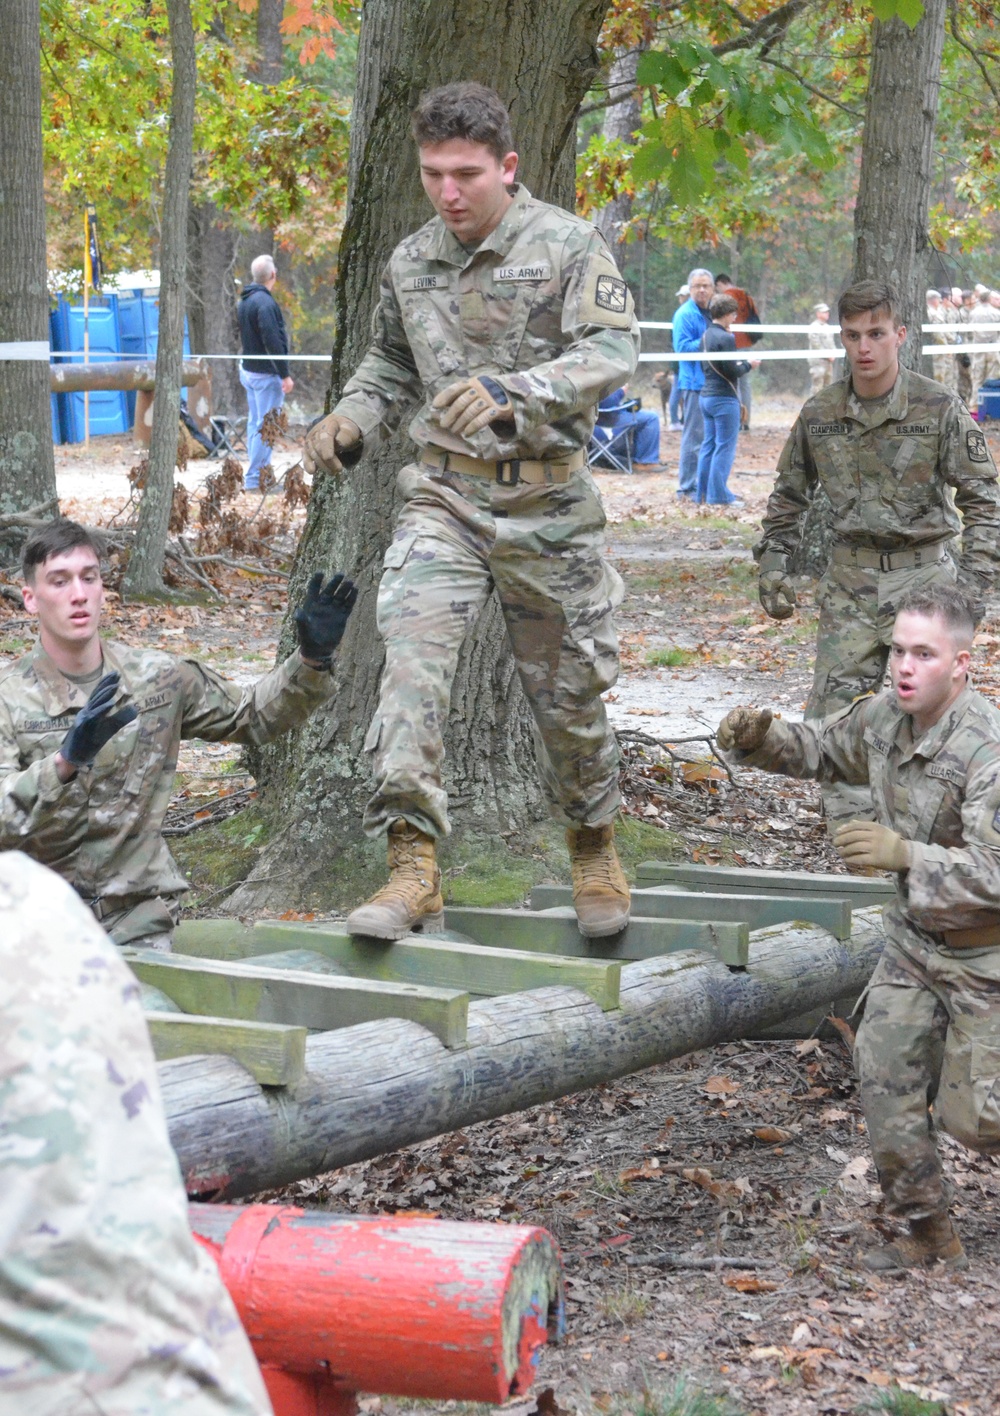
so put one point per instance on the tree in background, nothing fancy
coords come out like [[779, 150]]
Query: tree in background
[[27, 467]]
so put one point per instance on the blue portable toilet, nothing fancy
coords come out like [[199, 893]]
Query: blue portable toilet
[[108, 407], [55, 399]]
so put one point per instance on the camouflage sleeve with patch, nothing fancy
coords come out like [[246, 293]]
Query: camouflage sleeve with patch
[[969, 468], [958, 887], [219, 711], [34, 805], [829, 751], [386, 386], [602, 340], [793, 487]]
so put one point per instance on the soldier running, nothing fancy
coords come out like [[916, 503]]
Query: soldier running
[[899, 457], [90, 730], [501, 324], [930, 1036]]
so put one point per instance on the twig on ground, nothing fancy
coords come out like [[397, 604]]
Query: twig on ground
[[666, 1259], [33, 517]]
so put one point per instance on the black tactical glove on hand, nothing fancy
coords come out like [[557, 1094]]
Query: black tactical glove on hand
[[95, 725], [321, 619]]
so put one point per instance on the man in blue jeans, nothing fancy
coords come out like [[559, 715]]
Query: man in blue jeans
[[690, 323], [262, 331]]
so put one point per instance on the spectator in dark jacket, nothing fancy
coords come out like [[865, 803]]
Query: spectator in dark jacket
[[746, 313], [266, 380], [720, 404]]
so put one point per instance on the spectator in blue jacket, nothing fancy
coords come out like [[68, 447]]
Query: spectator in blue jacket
[[690, 323], [262, 331]]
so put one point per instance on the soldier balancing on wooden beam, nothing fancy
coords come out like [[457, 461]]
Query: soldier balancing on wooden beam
[[501, 324], [90, 731], [928, 1048]]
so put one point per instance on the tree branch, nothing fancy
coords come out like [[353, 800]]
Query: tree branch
[[977, 58], [827, 98], [766, 30]]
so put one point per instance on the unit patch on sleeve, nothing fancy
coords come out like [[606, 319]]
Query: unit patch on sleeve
[[975, 446], [611, 294]]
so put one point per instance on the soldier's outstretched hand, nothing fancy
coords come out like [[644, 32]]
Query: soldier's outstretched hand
[[330, 443], [744, 728], [95, 724], [867, 845], [469, 405], [322, 617]]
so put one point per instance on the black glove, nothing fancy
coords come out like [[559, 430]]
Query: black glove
[[965, 360], [321, 619], [94, 725]]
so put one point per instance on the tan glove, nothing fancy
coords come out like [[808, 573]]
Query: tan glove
[[866, 843], [465, 407], [777, 594], [745, 728], [327, 441]]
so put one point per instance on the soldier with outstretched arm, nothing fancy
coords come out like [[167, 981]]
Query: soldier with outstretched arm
[[906, 471], [500, 326], [90, 730], [929, 749]]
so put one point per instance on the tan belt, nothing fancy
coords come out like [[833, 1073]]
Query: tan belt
[[889, 560], [508, 474], [988, 937], [105, 905]]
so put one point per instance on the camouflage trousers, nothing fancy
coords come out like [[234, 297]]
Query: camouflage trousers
[[541, 547], [930, 1037], [857, 612], [946, 370], [147, 924], [820, 375]]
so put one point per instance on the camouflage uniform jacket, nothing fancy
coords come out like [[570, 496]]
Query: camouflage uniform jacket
[[108, 1306], [821, 335], [941, 792], [887, 471], [101, 830], [540, 305]]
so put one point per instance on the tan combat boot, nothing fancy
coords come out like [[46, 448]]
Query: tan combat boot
[[929, 1240], [411, 900], [600, 890]]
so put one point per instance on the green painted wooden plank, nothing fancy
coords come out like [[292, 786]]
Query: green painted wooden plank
[[759, 911], [445, 960], [273, 1053], [227, 989], [555, 931], [212, 938], [861, 890]]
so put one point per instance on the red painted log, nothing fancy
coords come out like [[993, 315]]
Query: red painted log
[[397, 1305]]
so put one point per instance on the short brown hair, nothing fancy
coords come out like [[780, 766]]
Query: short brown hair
[[720, 305], [463, 110], [946, 602], [870, 296], [56, 539]]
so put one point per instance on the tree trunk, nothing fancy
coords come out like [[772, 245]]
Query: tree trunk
[[621, 121], [541, 60], [213, 259], [144, 575], [233, 1137], [27, 466], [890, 220]]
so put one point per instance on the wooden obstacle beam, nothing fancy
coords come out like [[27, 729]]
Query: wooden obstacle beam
[[273, 1053], [860, 890], [389, 1083], [403, 1306], [755, 911], [124, 374]]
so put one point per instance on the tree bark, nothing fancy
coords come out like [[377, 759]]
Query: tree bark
[[541, 59], [890, 220], [144, 575], [355, 1101], [621, 121], [213, 259], [27, 466]]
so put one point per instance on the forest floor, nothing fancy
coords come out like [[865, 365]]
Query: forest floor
[[753, 1151]]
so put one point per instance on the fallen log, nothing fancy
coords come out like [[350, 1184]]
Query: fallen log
[[126, 374], [381, 1085]]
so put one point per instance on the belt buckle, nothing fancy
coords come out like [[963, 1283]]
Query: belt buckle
[[885, 560], [515, 472]]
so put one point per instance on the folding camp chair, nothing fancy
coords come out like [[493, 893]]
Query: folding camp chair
[[610, 447], [228, 435]]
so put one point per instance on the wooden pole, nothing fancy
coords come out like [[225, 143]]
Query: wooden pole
[[381, 1085]]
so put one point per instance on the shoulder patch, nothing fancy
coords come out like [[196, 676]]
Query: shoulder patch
[[606, 297], [975, 446], [611, 294]]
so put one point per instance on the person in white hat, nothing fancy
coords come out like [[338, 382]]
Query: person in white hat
[[821, 337]]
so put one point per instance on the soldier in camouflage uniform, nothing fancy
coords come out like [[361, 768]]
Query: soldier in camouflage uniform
[[90, 730], [820, 337], [896, 454], [945, 369], [107, 1303], [501, 324], [930, 750]]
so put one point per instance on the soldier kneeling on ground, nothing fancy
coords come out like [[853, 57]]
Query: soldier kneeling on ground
[[930, 1037], [90, 731]]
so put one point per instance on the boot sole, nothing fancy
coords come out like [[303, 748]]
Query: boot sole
[[603, 931], [388, 934]]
